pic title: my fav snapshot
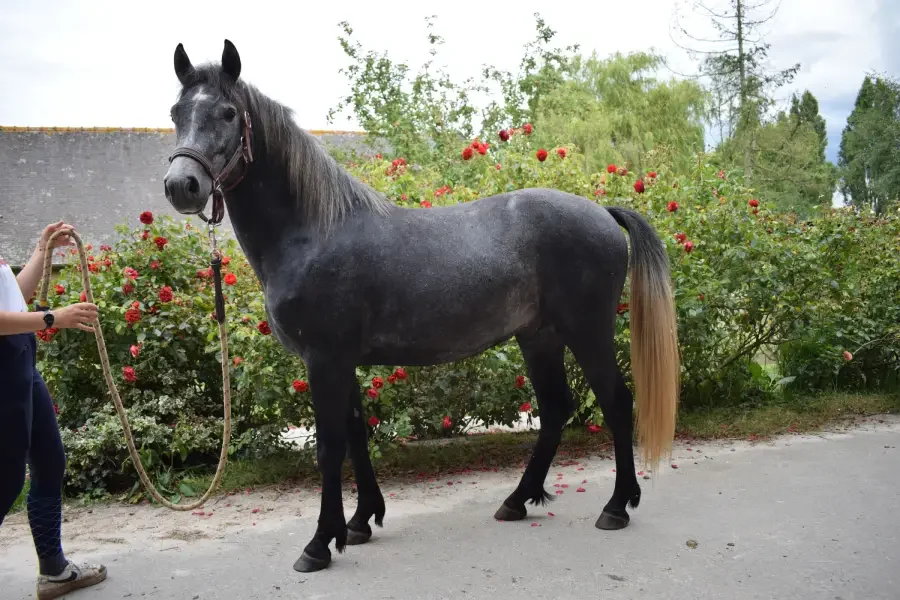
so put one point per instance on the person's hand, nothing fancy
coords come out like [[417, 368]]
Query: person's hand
[[61, 240], [76, 316]]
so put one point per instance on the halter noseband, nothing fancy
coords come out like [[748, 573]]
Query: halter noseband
[[244, 151]]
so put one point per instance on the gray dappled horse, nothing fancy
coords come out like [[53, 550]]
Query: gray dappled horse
[[352, 279]]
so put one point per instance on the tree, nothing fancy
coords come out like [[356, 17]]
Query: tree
[[806, 111], [734, 64], [869, 156], [616, 110]]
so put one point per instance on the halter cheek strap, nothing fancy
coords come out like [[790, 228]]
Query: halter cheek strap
[[244, 151]]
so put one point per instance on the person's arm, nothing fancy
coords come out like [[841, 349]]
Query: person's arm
[[74, 316], [30, 274], [12, 323]]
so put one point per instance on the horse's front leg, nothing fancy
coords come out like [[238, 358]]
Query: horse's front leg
[[370, 501], [331, 386]]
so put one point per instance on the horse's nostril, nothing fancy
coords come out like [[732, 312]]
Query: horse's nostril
[[193, 185]]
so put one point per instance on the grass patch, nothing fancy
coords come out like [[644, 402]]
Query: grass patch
[[784, 416], [504, 450]]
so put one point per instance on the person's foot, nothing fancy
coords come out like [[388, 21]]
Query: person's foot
[[73, 577]]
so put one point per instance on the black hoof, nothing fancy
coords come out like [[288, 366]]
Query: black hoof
[[610, 522], [310, 564], [505, 513], [355, 537]]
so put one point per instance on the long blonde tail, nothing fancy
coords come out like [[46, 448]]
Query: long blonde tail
[[655, 360]]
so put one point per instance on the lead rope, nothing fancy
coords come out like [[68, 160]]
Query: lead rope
[[216, 264]]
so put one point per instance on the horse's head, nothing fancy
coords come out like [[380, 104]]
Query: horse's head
[[212, 131]]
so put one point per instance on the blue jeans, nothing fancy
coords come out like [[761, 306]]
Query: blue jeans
[[29, 434]]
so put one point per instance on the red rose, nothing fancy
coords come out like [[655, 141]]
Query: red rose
[[105, 248], [680, 238], [130, 273], [652, 174], [701, 297], [621, 309], [238, 360], [128, 373], [482, 149], [201, 273], [145, 235], [504, 135], [264, 328], [372, 393], [639, 186], [133, 315], [688, 246], [392, 378], [377, 383], [60, 290], [541, 155], [231, 279], [672, 206], [165, 294], [379, 156], [754, 202], [848, 356], [721, 174], [300, 386], [497, 166], [90, 258], [520, 381], [107, 263], [160, 242], [93, 267], [527, 128], [154, 265], [147, 217], [135, 304], [447, 423], [403, 197], [135, 350], [82, 297], [425, 204], [226, 260], [400, 373], [373, 421], [127, 288], [526, 407], [561, 152], [611, 168], [56, 408], [594, 428], [467, 153]]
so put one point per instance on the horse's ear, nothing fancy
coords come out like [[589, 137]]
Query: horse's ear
[[231, 61], [183, 67]]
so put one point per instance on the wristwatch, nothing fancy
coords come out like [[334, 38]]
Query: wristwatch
[[48, 319]]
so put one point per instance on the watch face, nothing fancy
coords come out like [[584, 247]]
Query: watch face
[[48, 319]]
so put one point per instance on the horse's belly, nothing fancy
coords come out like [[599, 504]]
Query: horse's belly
[[452, 330]]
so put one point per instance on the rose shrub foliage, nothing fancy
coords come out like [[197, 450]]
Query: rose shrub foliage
[[747, 280]]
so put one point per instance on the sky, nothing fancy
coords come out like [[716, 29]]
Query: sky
[[103, 63]]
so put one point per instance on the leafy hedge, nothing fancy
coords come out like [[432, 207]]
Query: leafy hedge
[[748, 281]]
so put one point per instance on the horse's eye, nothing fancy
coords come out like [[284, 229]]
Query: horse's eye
[[230, 114]]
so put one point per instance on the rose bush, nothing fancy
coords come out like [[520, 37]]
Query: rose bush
[[748, 282]]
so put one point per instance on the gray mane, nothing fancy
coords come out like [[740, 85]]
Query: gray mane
[[323, 191]]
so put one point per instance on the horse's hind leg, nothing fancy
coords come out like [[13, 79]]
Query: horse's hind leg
[[598, 360], [545, 360], [370, 501]]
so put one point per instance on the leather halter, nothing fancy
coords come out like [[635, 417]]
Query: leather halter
[[244, 151]]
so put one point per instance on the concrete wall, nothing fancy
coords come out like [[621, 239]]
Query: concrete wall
[[94, 179]]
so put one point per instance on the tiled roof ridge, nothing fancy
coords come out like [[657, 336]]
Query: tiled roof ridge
[[29, 129]]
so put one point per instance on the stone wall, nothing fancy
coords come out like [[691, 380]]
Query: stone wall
[[94, 179]]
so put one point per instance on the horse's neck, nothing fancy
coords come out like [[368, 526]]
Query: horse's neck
[[265, 218]]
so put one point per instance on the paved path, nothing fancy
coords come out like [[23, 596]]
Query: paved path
[[805, 517]]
